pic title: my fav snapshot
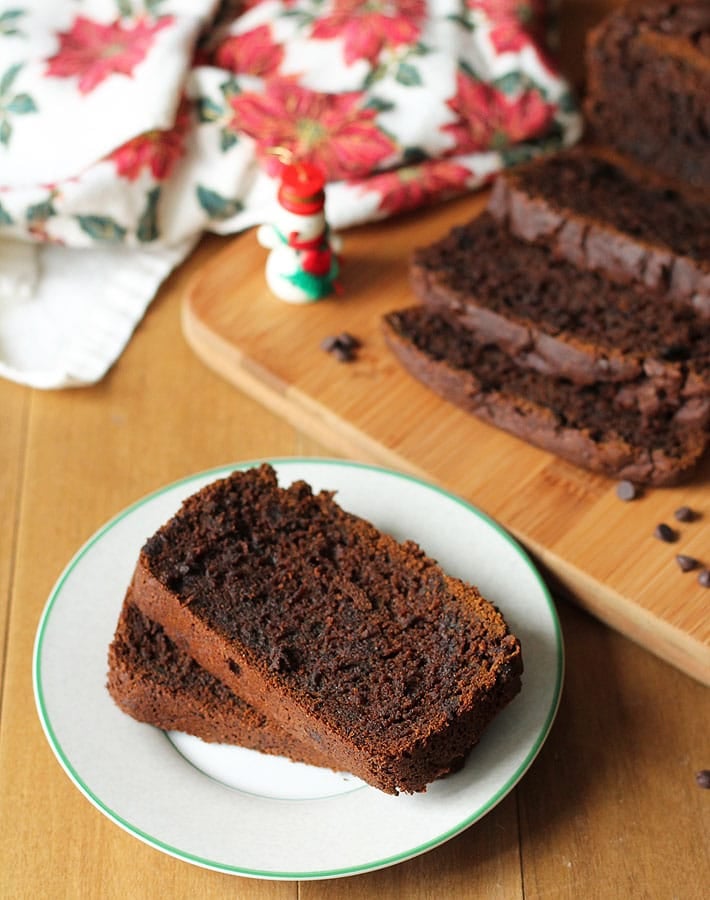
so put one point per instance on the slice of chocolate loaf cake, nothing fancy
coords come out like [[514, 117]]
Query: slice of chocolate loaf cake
[[155, 682], [605, 216], [589, 425], [561, 320], [354, 644], [648, 86]]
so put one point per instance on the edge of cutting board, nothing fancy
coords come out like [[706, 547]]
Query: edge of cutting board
[[597, 549]]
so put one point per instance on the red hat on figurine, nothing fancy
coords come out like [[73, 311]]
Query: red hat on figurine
[[302, 188]]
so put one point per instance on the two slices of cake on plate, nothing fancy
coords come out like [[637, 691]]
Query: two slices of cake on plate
[[271, 618], [575, 312]]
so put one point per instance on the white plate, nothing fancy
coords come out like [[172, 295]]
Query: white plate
[[273, 818]]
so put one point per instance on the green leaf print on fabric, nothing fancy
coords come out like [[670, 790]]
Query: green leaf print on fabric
[[8, 77], [40, 212], [102, 228], [227, 139], [148, 223], [9, 21], [12, 104], [215, 205], [21, 104], [408, 75], [213, 112], [208, 110], [511, 83]]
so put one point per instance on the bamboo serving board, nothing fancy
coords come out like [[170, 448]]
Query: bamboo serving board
[[600, 550]]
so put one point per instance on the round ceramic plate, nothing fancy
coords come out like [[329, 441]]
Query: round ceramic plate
[[238, 811]]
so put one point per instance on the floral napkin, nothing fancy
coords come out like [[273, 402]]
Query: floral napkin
[[129, 127]]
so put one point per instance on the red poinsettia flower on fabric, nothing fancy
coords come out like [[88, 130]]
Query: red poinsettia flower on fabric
[[251, 53], [333, 131], [368, 27], [488, 119], [513, 22], [93, 51], [156, 150], [410, 187]]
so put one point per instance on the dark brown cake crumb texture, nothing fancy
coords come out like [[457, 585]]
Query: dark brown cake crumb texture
[[365, 627]]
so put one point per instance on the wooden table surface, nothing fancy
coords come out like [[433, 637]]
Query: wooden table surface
[[610, 807]]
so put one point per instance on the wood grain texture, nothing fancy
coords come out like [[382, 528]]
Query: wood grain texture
[[598, 548], [610, 799], [609, 808], [616, 786], [14, 410]]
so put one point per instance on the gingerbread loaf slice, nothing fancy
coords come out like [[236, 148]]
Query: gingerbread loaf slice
[[605, 216], [549, 315], [591, 426], [353, 643], [155, 682]]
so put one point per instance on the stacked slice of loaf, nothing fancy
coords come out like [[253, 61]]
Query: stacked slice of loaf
[[155, 682], [270, 617], [575, 312]]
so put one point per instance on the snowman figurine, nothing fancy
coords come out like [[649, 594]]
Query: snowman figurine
[[302, 266]]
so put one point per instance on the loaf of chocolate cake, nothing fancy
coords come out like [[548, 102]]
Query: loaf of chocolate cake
[[550, 315], [354, 644], [648, 86], [575, 312], [606, 216], [155, 682], [589, 425]]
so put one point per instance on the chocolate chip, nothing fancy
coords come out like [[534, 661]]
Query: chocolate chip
[[685, 514], [342, 346], [345, 339], [343, 354], [665, 533], [704, 578], [626, 490], [686, 563], [702, 778], [329, 343]]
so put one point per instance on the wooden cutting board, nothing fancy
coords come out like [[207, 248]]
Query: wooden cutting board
[[597, 548]]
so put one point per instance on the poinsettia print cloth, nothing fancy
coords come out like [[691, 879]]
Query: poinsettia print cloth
[[139, 124]]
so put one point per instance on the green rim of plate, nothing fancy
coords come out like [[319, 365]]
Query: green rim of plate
[[384, 862]]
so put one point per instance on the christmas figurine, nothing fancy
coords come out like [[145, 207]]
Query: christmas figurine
[[302, 265]]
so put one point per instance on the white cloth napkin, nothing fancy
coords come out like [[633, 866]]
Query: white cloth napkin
[[128, 127], [75, 309]]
